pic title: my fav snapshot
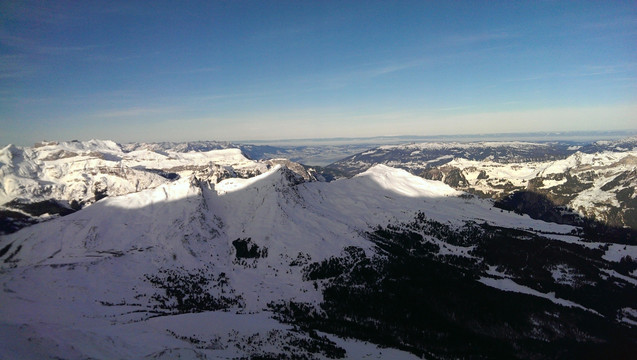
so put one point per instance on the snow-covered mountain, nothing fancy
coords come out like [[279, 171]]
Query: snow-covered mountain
[[219, 256], [597, 186], [595, 181], [425, 155], [54, 178], [321, 153], [421, 156]]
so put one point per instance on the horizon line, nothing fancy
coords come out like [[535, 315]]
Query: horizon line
[[555, 135]]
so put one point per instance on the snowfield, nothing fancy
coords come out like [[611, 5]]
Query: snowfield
[[189, 266]]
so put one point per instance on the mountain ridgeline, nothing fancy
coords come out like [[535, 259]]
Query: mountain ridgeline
[[434, 250], [563, 182]]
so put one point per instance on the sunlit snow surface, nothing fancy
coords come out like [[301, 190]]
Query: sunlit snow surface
[[72, 170], [593, 180], [99, 254], [77, 288]]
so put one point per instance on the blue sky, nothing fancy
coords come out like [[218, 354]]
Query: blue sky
[[239, 70]]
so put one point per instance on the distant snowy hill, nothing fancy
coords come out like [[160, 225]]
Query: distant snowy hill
[[309, 154], [210, 255], [420, 156], [425, 155], [595, 180]]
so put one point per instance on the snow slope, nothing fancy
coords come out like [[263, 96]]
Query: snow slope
[[595, 180], [39, 182], [80, 285], [597, 186], [72, 170], [189, 266]]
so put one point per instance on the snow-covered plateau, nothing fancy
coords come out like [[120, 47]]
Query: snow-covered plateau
[[190, 254]]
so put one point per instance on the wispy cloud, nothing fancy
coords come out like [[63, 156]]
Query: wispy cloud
[[392, 68], [467, 39], [591, 70], [35, 11], [452, 108], [58, 13], [214, 97], [111, 58], [31, 46], [15, 66], [451, 54], [581, 71], [115, 98], [283, 33], [136, 112], [615, 22], [201, 70], [360, 73]]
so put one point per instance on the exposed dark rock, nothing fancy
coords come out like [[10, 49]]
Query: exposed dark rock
[[454, 178], [246, 249]]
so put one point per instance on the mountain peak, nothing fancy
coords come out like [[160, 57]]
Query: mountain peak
[[405, 183], [278, 176], [7, 153], [162, 242]]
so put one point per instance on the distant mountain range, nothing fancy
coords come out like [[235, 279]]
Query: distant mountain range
[[595, 180], [207, 250]]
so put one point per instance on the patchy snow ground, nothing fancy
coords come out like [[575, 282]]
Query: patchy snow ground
[[506, 284]]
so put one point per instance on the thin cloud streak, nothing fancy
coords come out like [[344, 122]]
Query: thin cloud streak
[[101, 58], [467, 39], [137, 112], [31, 46], [582, 71], [614, 23], [201, 70], [59, 13], [453, 108], [356, 74], [15, 66], [341, 79]]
